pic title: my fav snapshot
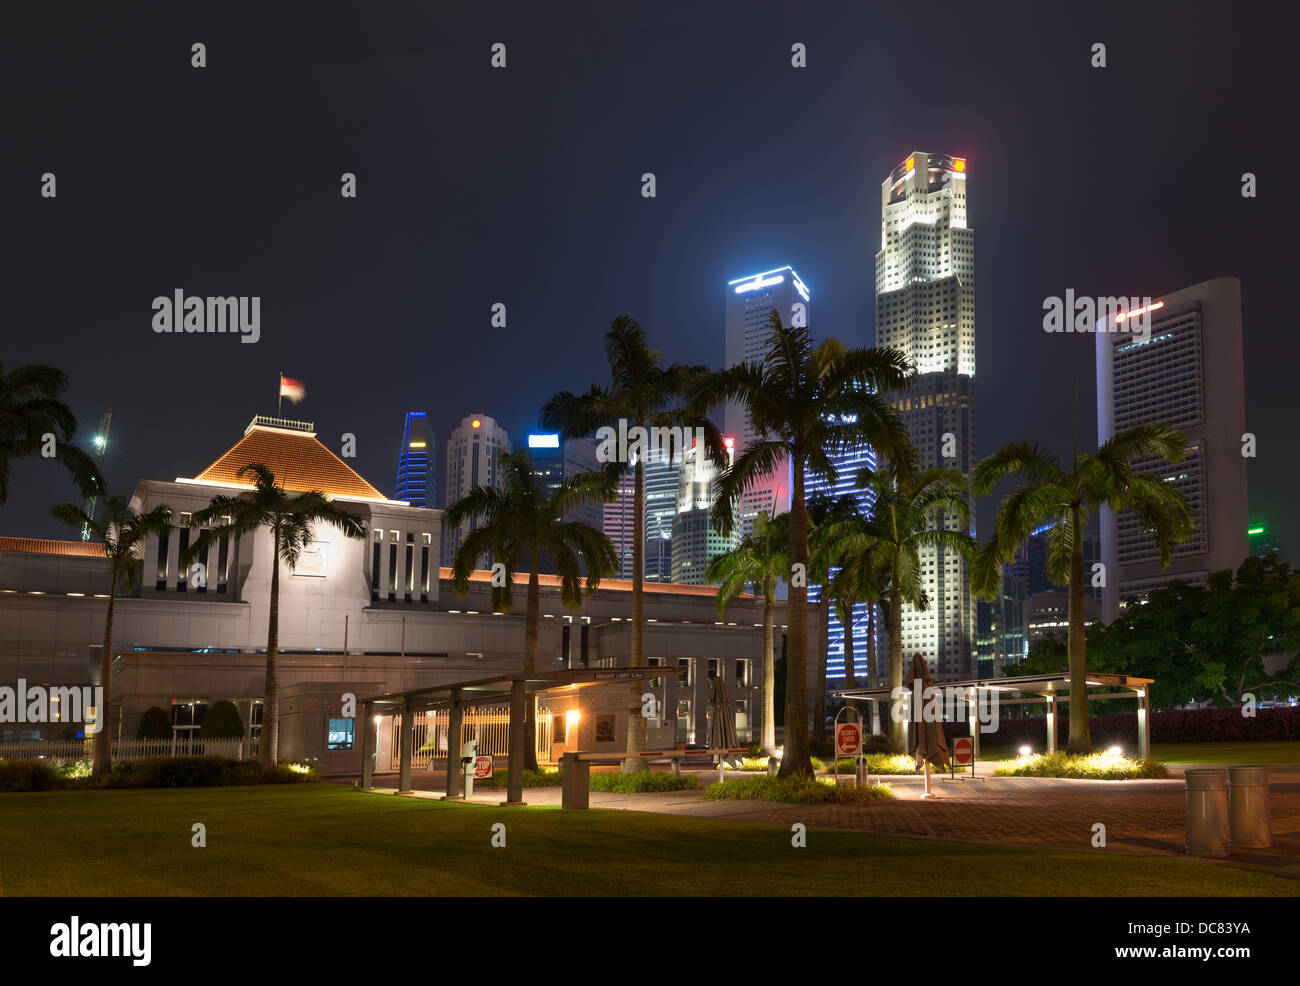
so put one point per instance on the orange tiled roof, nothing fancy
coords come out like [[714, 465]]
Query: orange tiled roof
[[618, 585], [298, 459], [47, 546]]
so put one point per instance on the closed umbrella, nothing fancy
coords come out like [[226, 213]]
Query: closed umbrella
[[722, 722], [925, 740]]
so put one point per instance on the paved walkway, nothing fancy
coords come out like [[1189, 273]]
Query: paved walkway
[[1141, 817]]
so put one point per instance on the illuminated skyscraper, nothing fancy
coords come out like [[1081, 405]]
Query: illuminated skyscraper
[[925, 307], [749, 305], [472, 452], [417, 476], [1184, 368], [556, 459]]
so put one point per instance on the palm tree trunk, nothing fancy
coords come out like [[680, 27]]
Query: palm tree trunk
[[897, 736], [871, 645], [1080, 737], [850, 674], [268, 745], [769, 673], [796, 759], [823, 650], [103, 759], [635, 721], [531, 620]]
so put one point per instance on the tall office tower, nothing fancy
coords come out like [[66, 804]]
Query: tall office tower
[[1183, 368], [695, 542], [1033, 557], [660, 509], [417, 476], [925, 307], [1001, 626], [556, 459], [749, 305], [472, 451], [847, 465]]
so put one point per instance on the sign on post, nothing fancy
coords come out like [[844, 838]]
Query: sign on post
[[482, 766], [848, 739], [963, 753]]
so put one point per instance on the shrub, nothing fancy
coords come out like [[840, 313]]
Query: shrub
[[1224, 725], [760, 763], [180, 771], [154, 724], [532, 778], [795, 790], [70, 768], [1089, 766], [28, 775], [222, 721], [644, 781]]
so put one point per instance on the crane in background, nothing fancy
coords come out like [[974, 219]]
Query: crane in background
[[100, 442]]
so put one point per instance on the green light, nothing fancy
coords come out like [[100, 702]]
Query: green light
[[1255, 530]]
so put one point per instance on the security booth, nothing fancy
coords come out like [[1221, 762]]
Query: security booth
[[518, 692], [320, 723]]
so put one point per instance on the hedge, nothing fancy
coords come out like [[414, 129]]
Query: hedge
[[1219, 725], [40, 775]]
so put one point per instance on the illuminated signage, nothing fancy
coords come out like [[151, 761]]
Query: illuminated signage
[[543, 441], [800, 286], [759, 282], [1120, 316], [417, 445]]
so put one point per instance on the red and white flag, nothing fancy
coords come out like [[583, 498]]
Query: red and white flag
[[295, 390]]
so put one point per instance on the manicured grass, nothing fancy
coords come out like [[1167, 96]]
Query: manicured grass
[[327, 840]]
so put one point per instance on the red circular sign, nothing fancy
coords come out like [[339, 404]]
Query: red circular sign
[[963, 750], [848, 739]]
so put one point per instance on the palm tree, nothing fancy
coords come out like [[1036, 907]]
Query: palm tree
[[31, 407], [760, 560], [291, 519], [520, 522], [909, 514], [823, 558], [642, 393], [122, 534], [1066, 500], [806, 403]]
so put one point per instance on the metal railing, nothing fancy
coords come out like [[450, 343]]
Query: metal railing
[[491, 727], [131, 749]]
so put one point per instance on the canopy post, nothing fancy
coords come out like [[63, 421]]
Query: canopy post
[[455, 724], [407, 741]]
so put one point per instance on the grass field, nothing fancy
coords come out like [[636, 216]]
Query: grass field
[[327, 840], [1228, 753]]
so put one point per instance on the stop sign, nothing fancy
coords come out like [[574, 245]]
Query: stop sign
[[482, 766], [848, 739], [963, 751]]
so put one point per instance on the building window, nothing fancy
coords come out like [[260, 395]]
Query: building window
[[559, 727], [183, 576], [424, 572], [714, 666], [742, 674], [410, 565], [161, 580], [341, 735], [605, 727], [687, 678]]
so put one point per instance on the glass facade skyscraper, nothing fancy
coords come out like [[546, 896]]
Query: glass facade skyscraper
[[417, 474]]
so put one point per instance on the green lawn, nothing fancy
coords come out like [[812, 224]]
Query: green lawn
[[1228, 753], [326, 840]]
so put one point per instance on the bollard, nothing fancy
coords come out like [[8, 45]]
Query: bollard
[[1249, 817], [575, 782], [1207, 811]]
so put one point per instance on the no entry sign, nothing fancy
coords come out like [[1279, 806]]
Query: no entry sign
[[963, 751], [848, 739], [482, 766]]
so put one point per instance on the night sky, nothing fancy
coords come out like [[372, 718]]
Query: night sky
[[522, 185]]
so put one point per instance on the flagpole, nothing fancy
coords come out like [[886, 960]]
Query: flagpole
[[279, 391]]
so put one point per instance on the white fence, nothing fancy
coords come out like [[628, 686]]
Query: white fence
[[490, 726], [131, 749]]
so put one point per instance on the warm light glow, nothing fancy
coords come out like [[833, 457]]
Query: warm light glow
[[1025, 751], [417, 445], [1114, 751], [571, 719], [910, 162], [476, 423], [958, 165], [729, 442], [1120, 316]]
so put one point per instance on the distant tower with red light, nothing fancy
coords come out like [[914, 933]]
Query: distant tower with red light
[[473, 448]]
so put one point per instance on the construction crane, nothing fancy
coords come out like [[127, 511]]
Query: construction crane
[[100, 441]]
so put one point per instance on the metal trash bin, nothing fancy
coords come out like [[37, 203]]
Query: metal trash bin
[[575, 782], [1249, 812], [1207, 811]]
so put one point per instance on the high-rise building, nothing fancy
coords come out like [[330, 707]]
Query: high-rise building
[[846, 464], [1182, 368], [1264, 540], [695, 542], [1033, 557], [661, 475], [1000, 625], [417, 475], [473, 449], [556, 459], [925, 307], [749, 306]]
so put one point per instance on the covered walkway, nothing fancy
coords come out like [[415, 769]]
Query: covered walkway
[[1034, 689], [517, 691]]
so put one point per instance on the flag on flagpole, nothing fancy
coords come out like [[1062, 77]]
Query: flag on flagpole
[[295, 390]]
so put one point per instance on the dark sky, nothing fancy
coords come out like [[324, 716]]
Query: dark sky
[[523, 186]]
